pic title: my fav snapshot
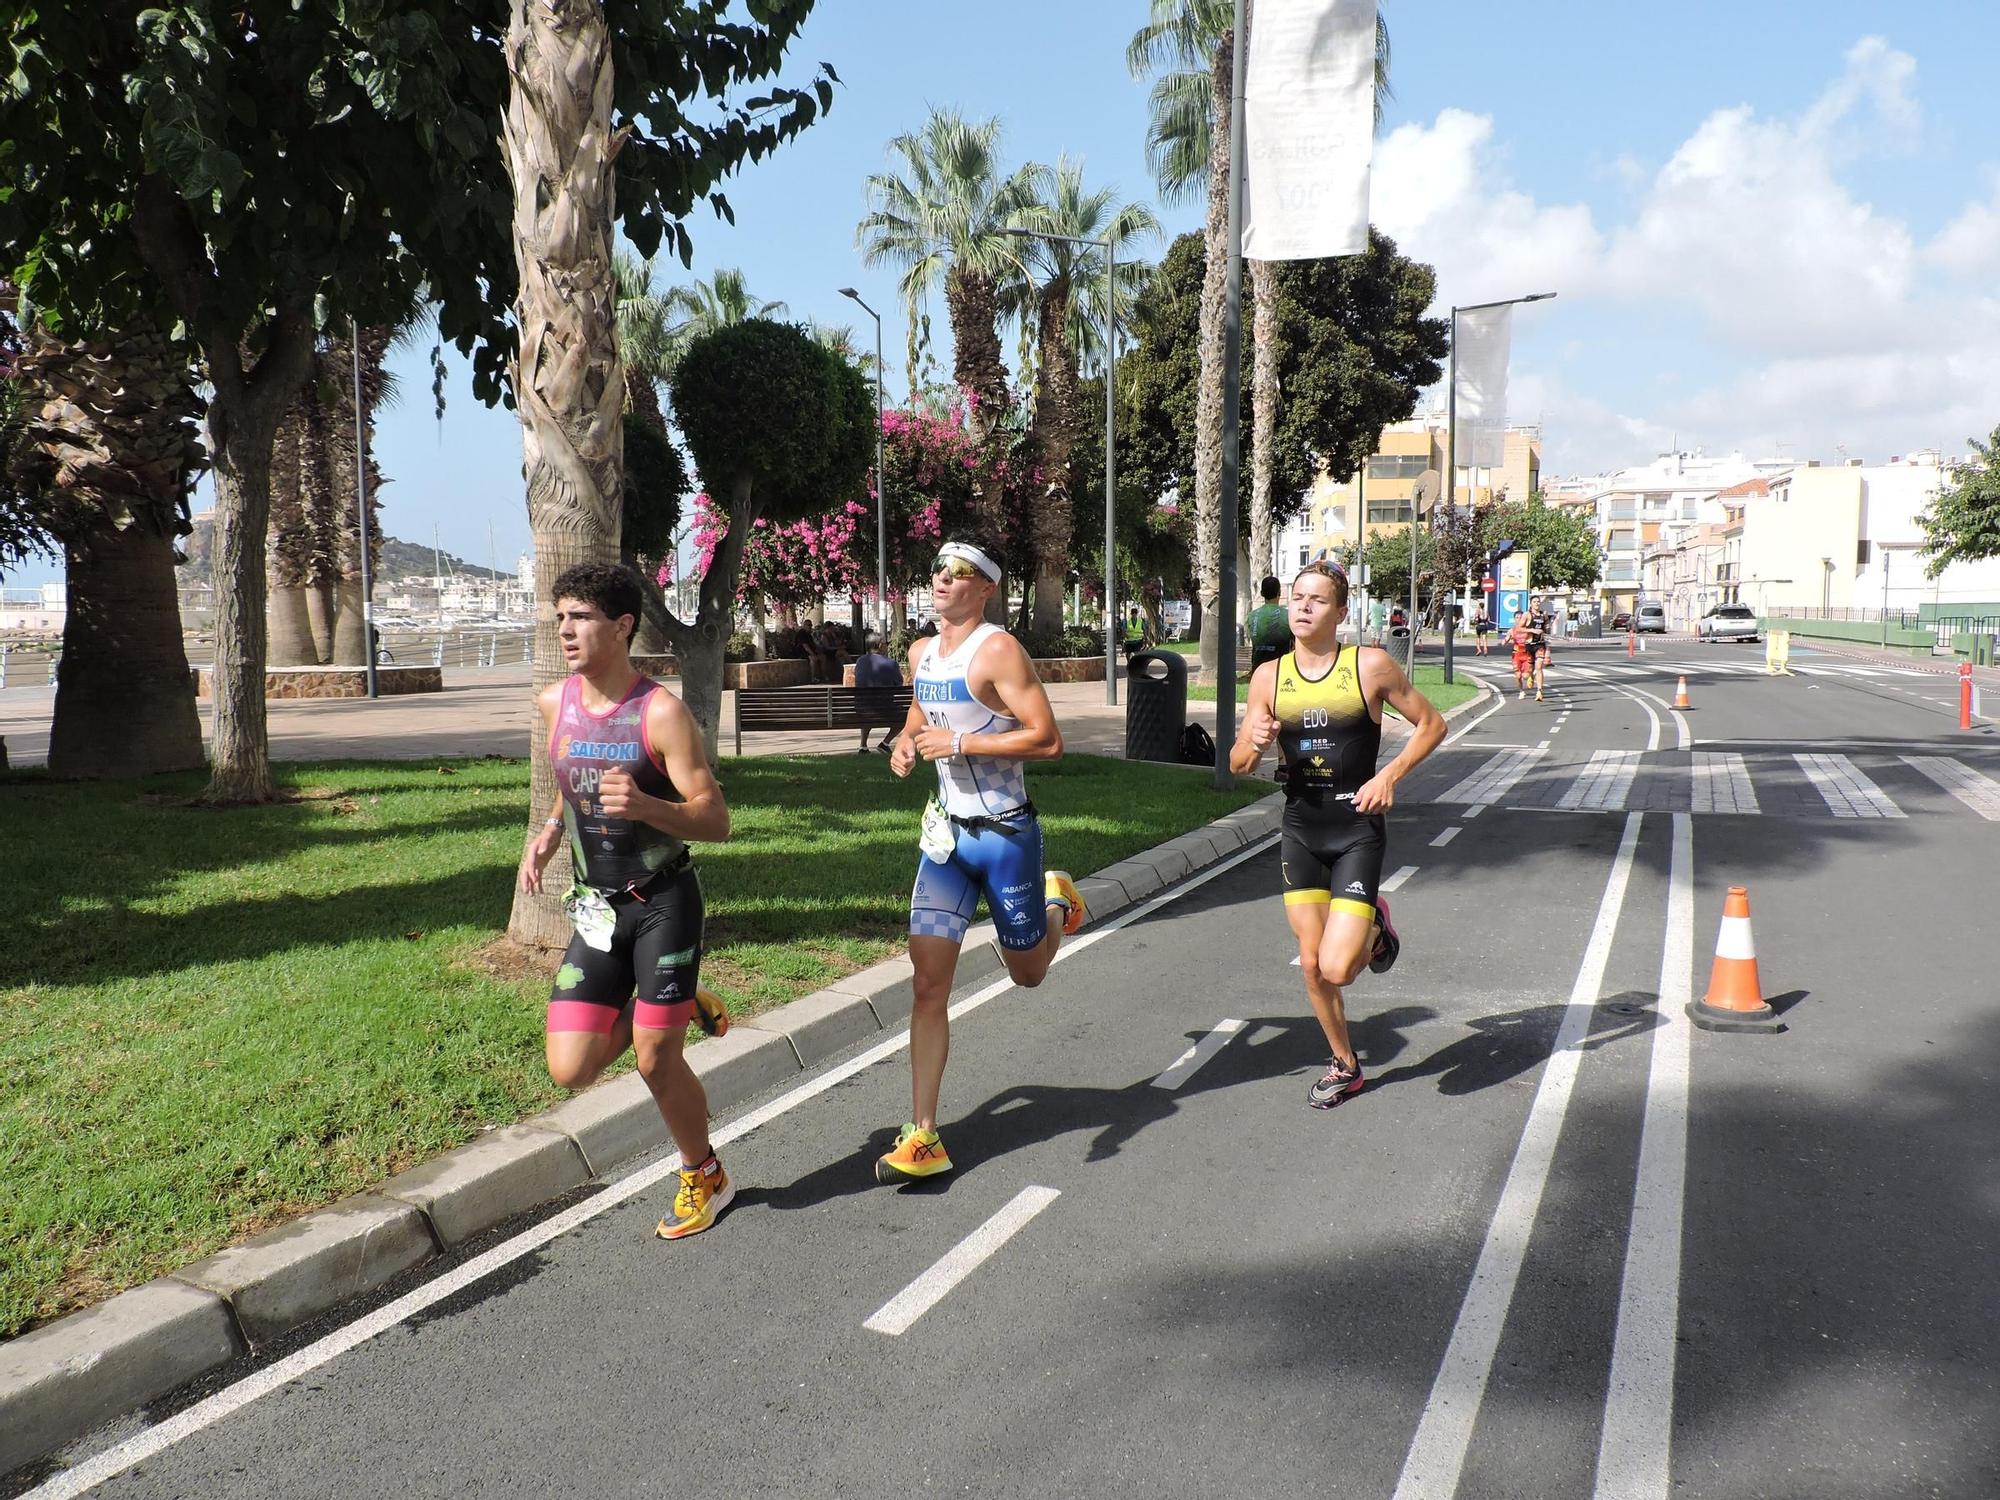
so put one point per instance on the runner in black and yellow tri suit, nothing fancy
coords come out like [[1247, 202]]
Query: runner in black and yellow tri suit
[[1321, 703]]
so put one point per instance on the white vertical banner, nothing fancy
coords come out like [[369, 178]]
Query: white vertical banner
[[1308, 128], [1479, 370]]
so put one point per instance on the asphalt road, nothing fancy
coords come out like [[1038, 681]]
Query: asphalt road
[[1562, 1245]]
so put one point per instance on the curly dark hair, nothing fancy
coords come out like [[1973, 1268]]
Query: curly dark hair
[[605, 587]]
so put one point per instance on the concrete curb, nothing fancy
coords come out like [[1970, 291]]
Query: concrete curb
[[59, 1382]]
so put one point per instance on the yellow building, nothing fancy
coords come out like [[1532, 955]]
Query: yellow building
[[1388, 482]]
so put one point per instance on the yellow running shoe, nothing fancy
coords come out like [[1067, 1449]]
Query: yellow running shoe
[[1060, 890], [918, 1154], [705, 1191], [709, 1012]]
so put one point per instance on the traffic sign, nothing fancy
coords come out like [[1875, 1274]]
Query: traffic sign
[[1488, 584]]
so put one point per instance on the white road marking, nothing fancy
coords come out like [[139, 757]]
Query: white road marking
[[1185, 1065], [1980, 793], [1493, 780], [1722, 783], [1499, 698], [1635, 1444], [1446, 837], [1848, 792], [1473, 812], [1395, 881], [1265, 1034], [959, 1262], [1604, 784], [1437, 1452], [143, 1445]]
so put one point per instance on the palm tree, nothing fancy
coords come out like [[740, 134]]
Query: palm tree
[[942, 219], [704, 306], [1189, 44], [109, 445], [645, 336], [1060, 294], [567, 376]]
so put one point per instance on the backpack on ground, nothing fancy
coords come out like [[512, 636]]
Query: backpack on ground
[[1197, 746]]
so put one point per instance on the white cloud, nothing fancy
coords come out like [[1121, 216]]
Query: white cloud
[[1828, 322]]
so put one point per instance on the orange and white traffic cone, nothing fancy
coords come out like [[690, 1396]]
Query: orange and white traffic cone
[[1681, 694], [1735, 998], [1631, 643]]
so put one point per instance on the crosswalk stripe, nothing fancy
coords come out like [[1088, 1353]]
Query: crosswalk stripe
[[1848, 792], [1604, 784], [1493, 780], [1980, 793], [1722, 783]]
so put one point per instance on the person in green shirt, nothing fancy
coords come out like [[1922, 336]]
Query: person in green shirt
[[1270, 627]]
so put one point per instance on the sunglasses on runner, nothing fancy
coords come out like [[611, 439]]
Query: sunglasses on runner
[[956, 567]]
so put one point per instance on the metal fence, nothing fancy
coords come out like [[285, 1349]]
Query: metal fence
[[25, 665]]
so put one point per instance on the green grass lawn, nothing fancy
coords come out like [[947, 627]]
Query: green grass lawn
[[213, 1021], [1429, 680]]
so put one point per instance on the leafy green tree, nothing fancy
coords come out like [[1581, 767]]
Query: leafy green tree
[[1963, 523], [1388, 556], [780, 428], [1563, 542], [259, 174]]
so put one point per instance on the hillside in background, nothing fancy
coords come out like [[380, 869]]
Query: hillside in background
[[400, 559]]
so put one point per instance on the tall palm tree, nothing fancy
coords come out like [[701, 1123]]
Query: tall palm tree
[[567, 376], [110, 445], [1189, 44], [719, 302], [1062, 288], [941, 218], [645, 336]]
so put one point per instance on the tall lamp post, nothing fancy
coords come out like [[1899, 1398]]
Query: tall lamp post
[[881, 495], [1451, 441], [1110, 248], [361, 519]]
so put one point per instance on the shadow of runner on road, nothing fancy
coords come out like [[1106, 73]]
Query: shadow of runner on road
[[1508, 1044]]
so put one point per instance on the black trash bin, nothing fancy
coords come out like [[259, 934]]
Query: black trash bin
[[1155, 705]]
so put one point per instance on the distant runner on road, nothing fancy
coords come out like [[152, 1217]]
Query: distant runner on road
[[979, 713], [1321, 703], [633, 786]]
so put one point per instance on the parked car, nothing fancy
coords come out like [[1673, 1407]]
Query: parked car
[[1727, 622], [1622, 620], [1650, 619]]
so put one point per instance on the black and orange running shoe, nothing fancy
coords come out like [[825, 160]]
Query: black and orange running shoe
[[916, 1155]]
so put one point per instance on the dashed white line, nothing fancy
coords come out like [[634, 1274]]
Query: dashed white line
[[959, 1262], [1395, 881], [1185, 1065], [1446, 837]]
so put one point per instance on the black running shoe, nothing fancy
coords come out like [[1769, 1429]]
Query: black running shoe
[[1388, 942], [1340, 1084]]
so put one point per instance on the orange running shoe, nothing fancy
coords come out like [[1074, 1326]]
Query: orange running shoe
[[1060, 890], [704, 1192], [917, 1154]]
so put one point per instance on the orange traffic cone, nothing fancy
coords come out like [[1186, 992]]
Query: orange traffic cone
[[1681, 694], [1735, 998], [1631, 643]]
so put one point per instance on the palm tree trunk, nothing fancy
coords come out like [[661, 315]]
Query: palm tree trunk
[[567, 378], [1210, 511], [1053, 522], [981, 374], [1263, 415], [125, 702], [288, 558]]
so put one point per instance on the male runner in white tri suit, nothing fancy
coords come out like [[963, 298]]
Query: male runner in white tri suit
[[979, 714]]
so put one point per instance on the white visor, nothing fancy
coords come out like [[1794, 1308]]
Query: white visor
[[966, 552]]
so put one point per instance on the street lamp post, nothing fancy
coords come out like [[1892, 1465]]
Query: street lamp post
[[1451, 450], [1109, 245], [881, 484], [361, 520]]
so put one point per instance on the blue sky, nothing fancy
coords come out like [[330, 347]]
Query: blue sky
[[1774, 226]]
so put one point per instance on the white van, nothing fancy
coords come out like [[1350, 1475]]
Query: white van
[[1650, 619]]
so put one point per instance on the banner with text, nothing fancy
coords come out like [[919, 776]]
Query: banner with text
[[1308, 128], [1479, 370]]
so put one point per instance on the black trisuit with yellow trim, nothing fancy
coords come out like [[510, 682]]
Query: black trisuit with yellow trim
[[1330, 740]]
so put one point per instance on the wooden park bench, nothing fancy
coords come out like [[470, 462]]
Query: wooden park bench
[[776, 710]]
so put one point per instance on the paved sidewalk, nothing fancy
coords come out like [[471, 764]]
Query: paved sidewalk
[[487, 711]]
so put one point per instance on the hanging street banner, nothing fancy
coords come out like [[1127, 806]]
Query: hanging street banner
[[1309, 127], [1479, 369]]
